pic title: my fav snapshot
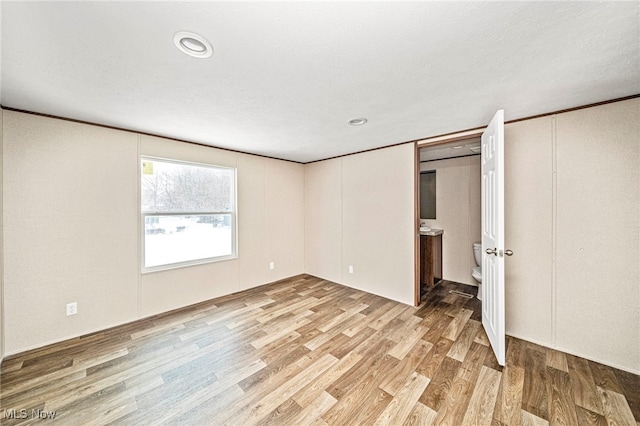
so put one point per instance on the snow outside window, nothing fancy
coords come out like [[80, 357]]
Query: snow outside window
[[188, 213]]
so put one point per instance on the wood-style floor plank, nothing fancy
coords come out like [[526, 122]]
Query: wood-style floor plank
[[462, 344], [561, 411], [556, 359], [432, 361], [305, 351], [630, 383], [585, 393], [605, 377], [589, 418], [529, 419], [421, 415], [393, 383], [483, 399], [509, 401], [314, 410], [616, 408], [534, 394], [403, 402], [440, 384]]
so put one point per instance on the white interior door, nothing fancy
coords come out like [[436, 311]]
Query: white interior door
[[493, 234]]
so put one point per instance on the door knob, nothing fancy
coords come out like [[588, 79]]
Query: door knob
[[508, 252], [491, 251]]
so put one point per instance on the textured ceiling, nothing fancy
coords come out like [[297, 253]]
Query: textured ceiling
[[285, 77]]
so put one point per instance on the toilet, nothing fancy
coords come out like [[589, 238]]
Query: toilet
[[476, 272]]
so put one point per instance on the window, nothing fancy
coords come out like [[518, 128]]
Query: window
[[188, 213]]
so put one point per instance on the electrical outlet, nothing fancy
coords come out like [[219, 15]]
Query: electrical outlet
[[72, 308], [272, 265], [350, 269]]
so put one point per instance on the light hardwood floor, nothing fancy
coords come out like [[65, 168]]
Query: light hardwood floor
[[305, 351]]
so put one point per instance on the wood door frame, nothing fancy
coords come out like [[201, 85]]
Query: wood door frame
[[438, 140]]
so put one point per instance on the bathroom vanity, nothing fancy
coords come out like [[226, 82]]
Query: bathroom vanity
[[430, 259]]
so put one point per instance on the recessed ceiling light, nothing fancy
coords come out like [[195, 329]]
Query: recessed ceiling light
[[357, 121], [458, 147], [192, 44]]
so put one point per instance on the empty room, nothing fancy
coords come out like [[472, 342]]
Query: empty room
[[320, 213]]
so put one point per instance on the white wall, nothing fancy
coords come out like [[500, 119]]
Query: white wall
[[529, 229], [359, 212], [72, 229], [70, 216], [378, 224], [573, 222], [323, 219], [598, 233], [457, 213], [284, 218]]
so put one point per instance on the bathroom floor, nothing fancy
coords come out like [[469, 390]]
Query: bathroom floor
[[440, 294]]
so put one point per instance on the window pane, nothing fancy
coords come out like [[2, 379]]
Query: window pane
[[175, 187], [176, 239]]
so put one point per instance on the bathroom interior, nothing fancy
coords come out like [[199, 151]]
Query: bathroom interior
[[450, 215]]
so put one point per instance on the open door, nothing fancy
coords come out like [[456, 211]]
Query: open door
[[493, 251]]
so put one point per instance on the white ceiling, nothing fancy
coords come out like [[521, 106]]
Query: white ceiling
[[285, 77]]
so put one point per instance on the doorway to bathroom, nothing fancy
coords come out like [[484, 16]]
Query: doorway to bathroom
[[492, 217], [449, 199]]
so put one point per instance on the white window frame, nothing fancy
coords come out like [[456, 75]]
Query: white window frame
[[144, 215]]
